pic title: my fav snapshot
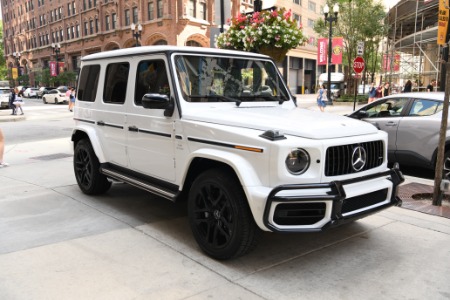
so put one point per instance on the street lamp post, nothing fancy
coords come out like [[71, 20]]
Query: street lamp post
[[330, 19], [56, 50], [136, 32]]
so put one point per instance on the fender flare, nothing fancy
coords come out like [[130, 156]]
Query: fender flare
[[80, 131]]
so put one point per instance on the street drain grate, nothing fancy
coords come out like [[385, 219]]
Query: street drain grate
[[52, 156]]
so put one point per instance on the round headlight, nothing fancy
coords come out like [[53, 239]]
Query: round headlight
[[297, 162]]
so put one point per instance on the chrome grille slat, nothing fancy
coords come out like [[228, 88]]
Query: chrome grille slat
[[339, 158]]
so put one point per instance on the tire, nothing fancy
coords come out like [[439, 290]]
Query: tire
[[219, 216], [43, 100], [87, 170], [56, 100]]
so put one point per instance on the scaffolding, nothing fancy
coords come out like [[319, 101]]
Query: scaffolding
[[412, 36]]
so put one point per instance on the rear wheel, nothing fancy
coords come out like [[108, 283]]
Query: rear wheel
[[87, 170], [220, 217], [56, 100], [446, 171], [43, 100]]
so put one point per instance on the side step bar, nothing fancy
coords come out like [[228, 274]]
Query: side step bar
[[162, 192]]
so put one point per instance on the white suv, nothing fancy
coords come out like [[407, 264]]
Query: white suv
[[220, 129]]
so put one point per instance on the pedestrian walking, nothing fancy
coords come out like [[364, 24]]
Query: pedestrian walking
[[71, 98], [408, 87], [68, 98], [12, 98], [321, 96], [2, 150], [18, 101], [372, 92], [385, 90], [430, 86]]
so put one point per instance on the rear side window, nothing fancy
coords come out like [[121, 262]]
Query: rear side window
[[116, 81], [88, 82], [422, 107]]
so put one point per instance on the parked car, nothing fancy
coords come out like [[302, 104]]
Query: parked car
[[54, 96], [182, 127], [412, 121], [62, 88], [4, 97], [22, 88], [30, 92], [44, 90]]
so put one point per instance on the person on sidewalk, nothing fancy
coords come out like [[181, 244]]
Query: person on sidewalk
[[18, 101], [12, 98], [372, 92], [321, 98], [408, 87], [385, 90], [71, 98], [2, 149]]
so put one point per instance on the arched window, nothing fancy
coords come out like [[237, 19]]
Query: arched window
[[192, 43], [160, 42]]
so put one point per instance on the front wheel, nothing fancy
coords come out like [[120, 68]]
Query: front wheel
[[446, 170], [219, 215], [56, 100], [87, 170], [43, 100]]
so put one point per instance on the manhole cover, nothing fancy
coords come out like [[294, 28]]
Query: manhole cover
[[52, 156]]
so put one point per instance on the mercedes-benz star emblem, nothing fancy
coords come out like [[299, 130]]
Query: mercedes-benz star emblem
[[359, 158]]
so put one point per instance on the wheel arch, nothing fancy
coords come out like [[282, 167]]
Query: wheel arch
[[87, 133], [434, 158]]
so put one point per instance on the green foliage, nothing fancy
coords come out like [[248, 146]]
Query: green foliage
[[358, 20], [3, 68]]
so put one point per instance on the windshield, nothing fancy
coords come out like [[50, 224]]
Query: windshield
[[218, 79]]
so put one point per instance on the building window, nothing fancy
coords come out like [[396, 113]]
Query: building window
[[90, 3], [193, 44], [77, 32], [86, 28], [68, 33], [191, 8], [299, 2], [312, 6], [91, 27], [297, 18], [202, 10], [61, 35], [107, 26], [135, 15], [127, 17], [159, 8], [74, 8], [69, 9], [97, 26], [150, 11], [114, 20], [310, 23]]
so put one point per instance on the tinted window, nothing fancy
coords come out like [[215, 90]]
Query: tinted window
[[151, 78], [422, 107], [388, 108], [88, 82], [116, 80]]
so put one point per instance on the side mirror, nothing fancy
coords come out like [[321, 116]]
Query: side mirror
[[361, 114], [159, 101]]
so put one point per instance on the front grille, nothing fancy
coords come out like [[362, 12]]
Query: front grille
[[339, 158], [299, 213], [366, 200]]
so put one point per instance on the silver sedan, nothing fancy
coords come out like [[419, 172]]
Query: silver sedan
[[412, 121]]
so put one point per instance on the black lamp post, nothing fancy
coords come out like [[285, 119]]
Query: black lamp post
[[56, 50], [136, 32], [330, 19]]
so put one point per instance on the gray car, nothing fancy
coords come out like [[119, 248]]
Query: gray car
[[412, 121]]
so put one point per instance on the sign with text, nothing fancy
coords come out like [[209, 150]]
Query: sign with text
[[359, 64], [360, 48], [442, 22], [53, 70], [322, 51]]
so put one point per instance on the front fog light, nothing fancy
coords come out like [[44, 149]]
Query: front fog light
[[297, 162]]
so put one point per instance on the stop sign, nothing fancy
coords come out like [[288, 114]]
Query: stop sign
[[358, 64]]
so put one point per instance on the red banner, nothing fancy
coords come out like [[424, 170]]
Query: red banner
[[322, 51], [396, 65], [337, 49], [391, 62], [60, 67], [53, 70]]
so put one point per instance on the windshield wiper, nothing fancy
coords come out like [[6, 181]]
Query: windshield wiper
[[220, 98]]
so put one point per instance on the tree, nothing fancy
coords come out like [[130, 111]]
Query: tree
[[3, 67], [358, 20]]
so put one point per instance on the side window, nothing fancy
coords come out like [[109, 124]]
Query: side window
[[422, 107], [388, 108], [116, 80], [88, 82], [151, 78]]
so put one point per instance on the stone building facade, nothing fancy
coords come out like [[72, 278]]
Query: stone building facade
[[81, 27]]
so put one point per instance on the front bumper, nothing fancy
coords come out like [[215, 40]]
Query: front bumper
[[290, 208]]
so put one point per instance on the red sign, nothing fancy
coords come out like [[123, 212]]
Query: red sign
[[337, 49], [358, 64], [322, 51]]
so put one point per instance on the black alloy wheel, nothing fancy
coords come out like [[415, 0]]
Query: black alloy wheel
[[220, 217]]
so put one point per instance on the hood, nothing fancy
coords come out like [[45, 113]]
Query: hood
[[297, 121]]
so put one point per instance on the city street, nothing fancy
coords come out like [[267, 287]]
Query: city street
[[57, 243]]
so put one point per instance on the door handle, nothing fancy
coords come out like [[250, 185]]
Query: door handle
[[101, 123], [391, 124], [133, 128]]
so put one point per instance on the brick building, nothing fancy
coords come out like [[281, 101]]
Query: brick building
[[81, 27]]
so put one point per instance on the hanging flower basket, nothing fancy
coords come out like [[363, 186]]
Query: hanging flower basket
[[278, 54], [270, 32]]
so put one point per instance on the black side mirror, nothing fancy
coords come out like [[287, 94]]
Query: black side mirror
[[361, 114], [158, 101]]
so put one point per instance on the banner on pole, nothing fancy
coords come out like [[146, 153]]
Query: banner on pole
[[442, 22], [53, 70], [322, 51], [337, 47], [15, 73]]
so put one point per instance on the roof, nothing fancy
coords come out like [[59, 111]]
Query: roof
[[430, 95], [158, 49]]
